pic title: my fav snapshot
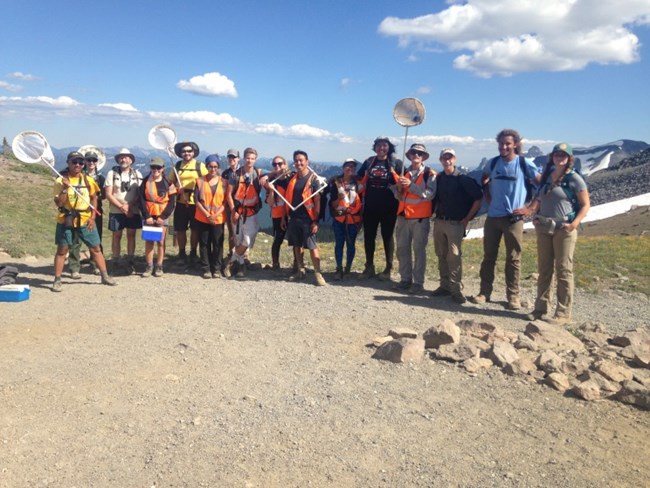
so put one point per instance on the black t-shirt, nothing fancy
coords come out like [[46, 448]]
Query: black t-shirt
[[380, 178], [455, 195], [301, 181]]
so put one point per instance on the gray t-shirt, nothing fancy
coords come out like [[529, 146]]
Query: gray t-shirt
[[554, 202]]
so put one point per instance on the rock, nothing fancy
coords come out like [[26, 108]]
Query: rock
[[481, 330], [593, 326], [523, 365], [444, 333], [378, 341], [553, 337], [638, 354], [401, 332], [400, 350], [525, 342], [558, 381], [632, 337], [606, 386], [474, 342], [472, 365], [587, 390], [642, 376], [456, 352], [549, 362], [612, 371], [595, 339], [635, 394], [577, 365], [502, 353]]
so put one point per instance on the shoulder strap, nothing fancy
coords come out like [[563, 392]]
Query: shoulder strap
[[493, 163]]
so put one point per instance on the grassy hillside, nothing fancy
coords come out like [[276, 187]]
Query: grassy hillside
[[27, 216]]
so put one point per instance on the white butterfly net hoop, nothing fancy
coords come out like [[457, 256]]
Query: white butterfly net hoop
[[409, 112], [32, 147], [163, 137], [101, 156]]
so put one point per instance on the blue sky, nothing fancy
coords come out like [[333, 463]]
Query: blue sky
[[324, 76]]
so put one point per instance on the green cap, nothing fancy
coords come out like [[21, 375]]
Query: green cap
[[564, 147]]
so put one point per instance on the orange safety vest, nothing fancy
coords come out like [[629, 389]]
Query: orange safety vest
[[306, 193], [247, 196], [350, 212], [277, 208], [211, 201], [156, 203], [412, 206]]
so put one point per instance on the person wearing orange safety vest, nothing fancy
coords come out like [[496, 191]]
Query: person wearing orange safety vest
[[245, 201], [303, 195], [280, 174], [414, 191], [157, 203], [346, 191], [210, 198]]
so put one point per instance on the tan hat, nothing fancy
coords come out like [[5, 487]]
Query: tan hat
[[447, 150], [124, 152], [420, 148], [233, 152]]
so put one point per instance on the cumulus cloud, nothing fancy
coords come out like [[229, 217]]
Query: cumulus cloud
[[300, 131], [42, 101], [17, 75], [502, 37], [10, 87], [210, 84], [125, 107]]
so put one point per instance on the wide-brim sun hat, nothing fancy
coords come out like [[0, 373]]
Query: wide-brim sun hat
[[420, 148], [391, 146], [179, 147], [124, 152], [563, 147]]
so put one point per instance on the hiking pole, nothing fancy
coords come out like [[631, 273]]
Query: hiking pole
[[408, 112], [32, 147]]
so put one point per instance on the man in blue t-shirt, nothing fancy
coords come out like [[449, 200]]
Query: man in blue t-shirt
[[504, 180]]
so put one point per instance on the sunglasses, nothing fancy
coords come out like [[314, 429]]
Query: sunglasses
[[78, 162], [156, 168], [212, 167], [276, 165], [91, 160], [417, 153], [185, 151]]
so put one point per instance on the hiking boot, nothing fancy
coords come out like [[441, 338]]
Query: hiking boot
[[479, 299], [402, 285], [57, 285], [346, 270], [536, 315], [416, 289], [440, 292], [513, 304], [338, 275], [458, 298], [298, 275], [216, 275], [207, 275], [75, 275], [276, 267], [240, 271], [148, 271], [385, 274], [560, 320], [368, 272], [158, 271], [226, 271], [108, 280], [320, 281]]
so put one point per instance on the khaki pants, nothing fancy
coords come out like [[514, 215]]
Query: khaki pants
[[412, 236], [447, 240], [555, 254], [513, 234]]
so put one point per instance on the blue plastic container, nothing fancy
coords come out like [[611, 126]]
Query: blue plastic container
[[14, 293]]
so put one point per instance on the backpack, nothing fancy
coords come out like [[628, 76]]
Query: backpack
[[236, 175], [530, 192], [197, 167], [566, 187], [117, 175]]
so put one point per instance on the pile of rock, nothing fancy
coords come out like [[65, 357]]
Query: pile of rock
[[586, 363]]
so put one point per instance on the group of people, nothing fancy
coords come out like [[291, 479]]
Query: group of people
[[382, 193]]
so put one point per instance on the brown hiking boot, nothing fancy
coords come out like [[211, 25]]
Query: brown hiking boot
[[479, 299], [320, 281]]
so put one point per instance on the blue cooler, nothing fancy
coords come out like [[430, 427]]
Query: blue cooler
[[14, 293], [152, 233]]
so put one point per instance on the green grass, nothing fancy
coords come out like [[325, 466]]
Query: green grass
[[27, 222]]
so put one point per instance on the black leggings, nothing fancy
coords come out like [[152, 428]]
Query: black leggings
[[278, 237], [372, 218]]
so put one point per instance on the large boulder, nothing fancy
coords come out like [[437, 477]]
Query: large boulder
[[444, 333], [401, 350], [554, 337], [635, 394], [502, 353], [612, 371], [632, 338], [484, 331]]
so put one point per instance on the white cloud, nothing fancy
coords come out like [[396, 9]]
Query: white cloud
[[198, 117], [125, 107], [300, 131], [10, 87], [423, 90], [42, 101], [509, 36], [345, 82], [210, 84], [17, 75]]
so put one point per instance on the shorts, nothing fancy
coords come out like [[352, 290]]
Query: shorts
[[184, 217], [66, 237], [246, 232], [119, 221], [299, 234]]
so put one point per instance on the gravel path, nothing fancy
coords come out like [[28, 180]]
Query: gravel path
[[182, 382]]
